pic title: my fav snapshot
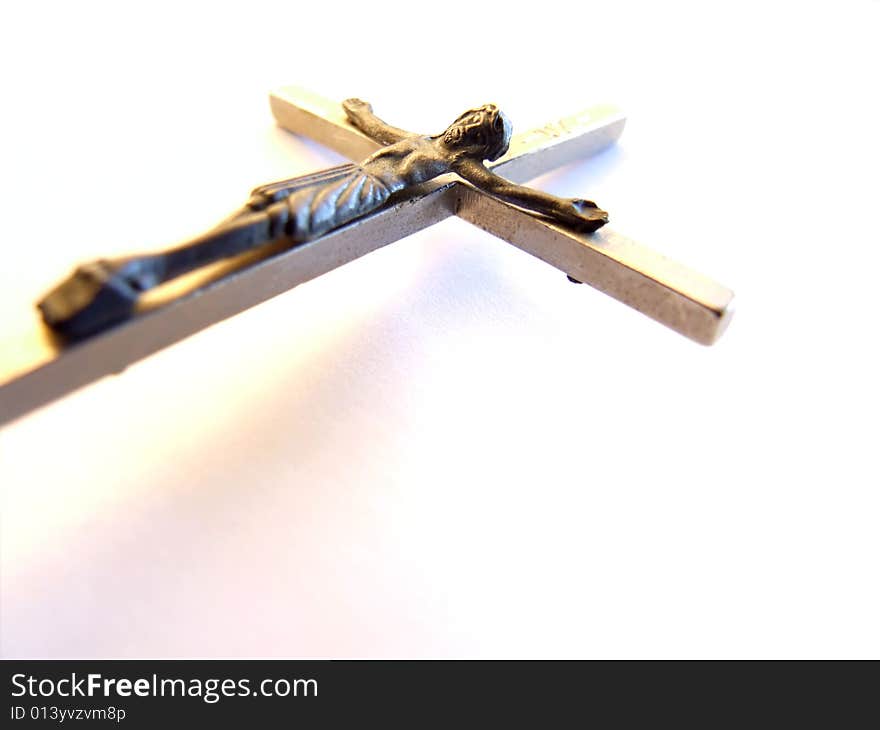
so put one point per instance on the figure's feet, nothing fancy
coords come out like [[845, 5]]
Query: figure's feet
[[354, 107], [94, 297], [589, 217]]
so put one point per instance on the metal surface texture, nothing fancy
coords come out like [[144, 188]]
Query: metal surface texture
[[672, 294], [42, 369]]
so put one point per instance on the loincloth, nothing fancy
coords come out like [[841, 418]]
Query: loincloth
[[317, 209]]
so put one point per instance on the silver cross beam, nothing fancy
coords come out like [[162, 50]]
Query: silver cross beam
[[38, 369]]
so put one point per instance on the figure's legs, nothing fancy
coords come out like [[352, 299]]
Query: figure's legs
[[105, 292]]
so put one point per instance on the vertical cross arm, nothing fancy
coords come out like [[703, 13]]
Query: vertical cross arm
[[531, 153], [42, 370]]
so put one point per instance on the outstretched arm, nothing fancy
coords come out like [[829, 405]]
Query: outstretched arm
[[360, 114], [582, 215]]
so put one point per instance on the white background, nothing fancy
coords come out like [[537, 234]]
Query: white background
[[445, 449]]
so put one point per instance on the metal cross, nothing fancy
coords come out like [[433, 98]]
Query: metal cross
[[680, 298]]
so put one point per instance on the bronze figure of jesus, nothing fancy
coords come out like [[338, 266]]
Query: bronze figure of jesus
[[105, 292]]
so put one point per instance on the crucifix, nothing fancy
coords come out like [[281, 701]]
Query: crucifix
[[294, 230]]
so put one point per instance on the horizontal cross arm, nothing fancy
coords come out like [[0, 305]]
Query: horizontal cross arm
[[680, 298], [661, 288]]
